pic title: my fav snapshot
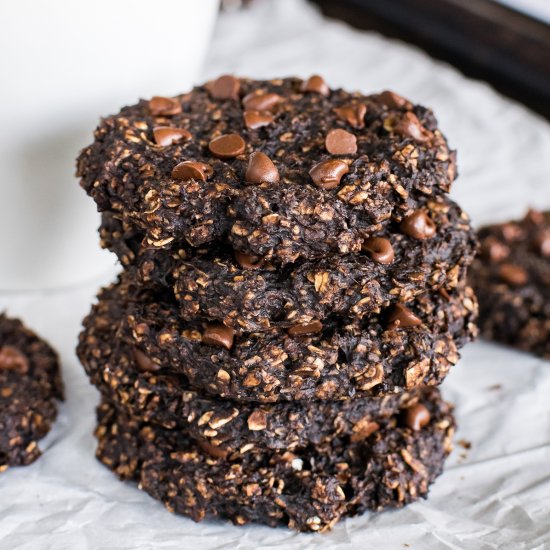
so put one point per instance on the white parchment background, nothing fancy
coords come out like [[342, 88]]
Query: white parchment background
[[496, 495]]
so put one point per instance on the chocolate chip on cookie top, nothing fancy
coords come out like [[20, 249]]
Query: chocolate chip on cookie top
[[341, 142], [261, 169], [189, 170], [353, 114], [166, 135], [164, 106], [329, 173], [227, 146], [224, 87], [316, 84]]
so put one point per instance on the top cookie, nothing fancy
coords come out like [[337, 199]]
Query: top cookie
[[281, 168]]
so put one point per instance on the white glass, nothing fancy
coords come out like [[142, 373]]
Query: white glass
[[63, 64]]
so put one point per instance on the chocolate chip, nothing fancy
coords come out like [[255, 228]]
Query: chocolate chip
[[227, 146], [145, 363], [261, 169], [224, 87], [257, 119], [308, 328], [191, 170], [164, 135], [12, 359], [511, 232], [418, 225], [164, 106], [393, 101], [401, 317], [340, 142], [212, 450], [219, 335], [409, 126], [316, 84], [353, 114], [513, 274], [327, 174], [542, 242], [379, 250], [248, 261], [417, 417], [260, 101], [494, 250]]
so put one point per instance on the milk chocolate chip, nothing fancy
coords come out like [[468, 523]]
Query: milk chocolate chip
[[259, 101], [409, 126], [418, 225], [164, 106], [261, 169], [401, 317], [224, 87], [327, 174], [379, 250], [393, 101], [165, 135], [227, 146], [316, 84], [144, 362], [340, 142], [353, 114], [218, 335], [191, 170], [257, 119]]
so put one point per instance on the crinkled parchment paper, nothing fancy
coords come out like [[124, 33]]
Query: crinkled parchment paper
[[494, 495]]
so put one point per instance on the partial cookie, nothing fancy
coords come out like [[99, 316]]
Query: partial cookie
[[30, 384], [121, 374], [280, 168], [309, 489], [512, 279], [399, 349], [250, 294]]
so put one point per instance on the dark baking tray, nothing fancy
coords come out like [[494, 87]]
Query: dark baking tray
[[483, 38]]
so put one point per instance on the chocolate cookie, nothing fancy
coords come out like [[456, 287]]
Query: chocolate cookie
[[248, 293], [512, 279], [401, 348], [30, 384], [308, 489], [281, 169], [116, 369]]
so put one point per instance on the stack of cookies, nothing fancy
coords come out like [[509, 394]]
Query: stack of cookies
[[293, 292]]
